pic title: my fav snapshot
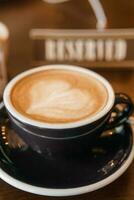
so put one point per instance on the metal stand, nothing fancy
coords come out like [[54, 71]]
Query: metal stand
[[97, 8]]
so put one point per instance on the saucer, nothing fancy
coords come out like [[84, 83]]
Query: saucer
[[25, 169]]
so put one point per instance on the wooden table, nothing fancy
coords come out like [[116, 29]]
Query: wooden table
[[20, 16]]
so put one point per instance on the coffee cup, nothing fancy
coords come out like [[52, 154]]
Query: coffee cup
[[60, 110], [4, 37]]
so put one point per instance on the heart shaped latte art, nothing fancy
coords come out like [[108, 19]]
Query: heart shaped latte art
[[58, 99]]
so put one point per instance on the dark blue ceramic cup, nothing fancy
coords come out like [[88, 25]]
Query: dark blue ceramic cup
[[70, 138]]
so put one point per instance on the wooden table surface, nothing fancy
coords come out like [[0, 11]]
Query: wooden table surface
[[20, 16]]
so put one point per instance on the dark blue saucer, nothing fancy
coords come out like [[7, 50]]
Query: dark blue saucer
[[103, 161]]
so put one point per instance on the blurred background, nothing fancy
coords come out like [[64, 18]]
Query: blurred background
[[22, 16]]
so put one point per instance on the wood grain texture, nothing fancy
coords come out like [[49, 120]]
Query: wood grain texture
[[21, 16]]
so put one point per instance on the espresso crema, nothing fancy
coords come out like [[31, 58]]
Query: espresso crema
[[58, 96]]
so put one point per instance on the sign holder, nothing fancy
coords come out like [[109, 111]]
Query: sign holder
[[110, 48], [99, 48]]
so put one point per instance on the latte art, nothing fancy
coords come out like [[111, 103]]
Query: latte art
[[58, 96], [59, 100]]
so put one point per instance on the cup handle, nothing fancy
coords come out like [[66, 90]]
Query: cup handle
[[123, 108]]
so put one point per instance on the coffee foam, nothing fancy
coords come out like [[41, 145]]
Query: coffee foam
[[58, 96]]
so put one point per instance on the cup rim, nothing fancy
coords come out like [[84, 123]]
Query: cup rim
[[69, 125]]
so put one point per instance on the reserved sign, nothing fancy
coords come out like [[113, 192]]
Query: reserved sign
[[89, 48]]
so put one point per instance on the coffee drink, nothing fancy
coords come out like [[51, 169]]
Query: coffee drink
[[58, 96]]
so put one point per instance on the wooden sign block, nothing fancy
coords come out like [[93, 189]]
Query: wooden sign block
[[111, 48]]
